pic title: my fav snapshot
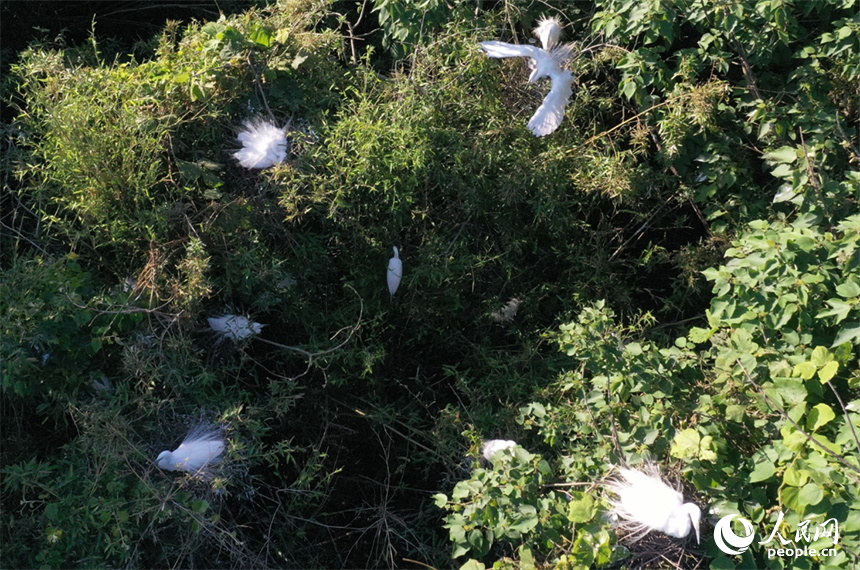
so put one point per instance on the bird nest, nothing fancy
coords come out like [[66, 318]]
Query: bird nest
[[657, 550]]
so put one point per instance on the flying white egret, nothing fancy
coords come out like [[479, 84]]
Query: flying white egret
[[263, 144], [202, 447], [547, 61], [395, 272], [645, 503], [234, 327], [493, 446]]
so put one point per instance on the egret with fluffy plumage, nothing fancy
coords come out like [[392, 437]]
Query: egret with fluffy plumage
[[547, 61], [263, 144], [395, 272], [234, 327], [201, 448], [646, 503]]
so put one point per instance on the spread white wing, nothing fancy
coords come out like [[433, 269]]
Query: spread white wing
[[551, 112]]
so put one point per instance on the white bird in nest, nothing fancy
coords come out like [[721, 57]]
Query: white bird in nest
[[263, 144], [645, 503], [201, 448], [395, 272], [546, 62], [234, 327], [493, 446]]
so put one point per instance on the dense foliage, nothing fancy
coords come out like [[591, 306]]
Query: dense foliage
[[673, 276]]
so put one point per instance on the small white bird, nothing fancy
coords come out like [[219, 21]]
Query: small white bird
[[234, 327], [493, 446], [263, 144], [202, 447], [547, 62], [645, 503], [395, 272], [507, 312]]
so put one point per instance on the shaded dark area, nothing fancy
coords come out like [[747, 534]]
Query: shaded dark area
[[117, 25]]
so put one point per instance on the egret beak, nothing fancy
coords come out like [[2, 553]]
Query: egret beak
[[696, 528]]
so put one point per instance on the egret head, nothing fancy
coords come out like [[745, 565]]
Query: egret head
[[680, 521], [165, 461]]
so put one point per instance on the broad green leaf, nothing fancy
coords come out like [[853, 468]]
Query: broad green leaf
[[848, 289], [763, 470], [820, 415], [707, 449], [805, 370], [478, 542], [789, 496], [795, 477], [527, 559], [828, 371], [848, 333], [736, 413], [699, 335], [811, 494], [785, 154], [686, 444], [581, 509], [820, 357], [793, 439], [261, 36]]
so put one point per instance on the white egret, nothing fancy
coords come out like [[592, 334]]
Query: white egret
[[202, 447], [234, 327], [507, 312], [493, 446], [547, 61], [645, 503], [263, 144], [395, 272]]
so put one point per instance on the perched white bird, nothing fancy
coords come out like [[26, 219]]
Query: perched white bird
[[263, 144], [202, 447], [493, 446], [645, 503], [395, 272], [234, 327], [547, 62], [507, 312]]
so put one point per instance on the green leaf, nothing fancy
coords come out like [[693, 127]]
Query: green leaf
[[440, 499], [805, 370], [763, 469], [699, 335], [262, 37], [848, 333], [736, 413], [821, 356], [686, 444], [527, 559], [828, 371], [789, 496], [848, 289], [479, 543], [581, 509], [811, 494], [795, 477], [785, 155], [820, 415], [200, 506]]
